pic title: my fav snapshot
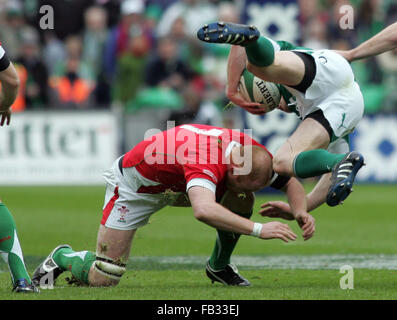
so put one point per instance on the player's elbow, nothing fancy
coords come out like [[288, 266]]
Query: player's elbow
[[13, 82], [202, 213], [282, 165]]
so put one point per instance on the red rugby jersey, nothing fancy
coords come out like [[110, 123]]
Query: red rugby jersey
[[186, 156]]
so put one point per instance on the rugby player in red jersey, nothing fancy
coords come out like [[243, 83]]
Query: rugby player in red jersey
[[214, 170]]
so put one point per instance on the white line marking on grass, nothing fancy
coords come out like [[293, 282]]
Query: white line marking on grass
[[309, 262], [313, 262]]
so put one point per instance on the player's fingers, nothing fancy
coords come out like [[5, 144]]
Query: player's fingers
[[267, 204], [285, 226], [309, 233], [242, 103], [305, 222], [267, 208], [264, 212], [309, 223], [281, 236], [267, 213], [254, 105], [288, 232], [308, 236], [305, 226], [256, 109], [292, 235]]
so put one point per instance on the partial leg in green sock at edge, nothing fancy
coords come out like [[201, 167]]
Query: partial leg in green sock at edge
[[10, 248]]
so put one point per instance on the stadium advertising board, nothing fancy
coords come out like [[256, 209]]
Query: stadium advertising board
[[375, 137], [65, 148]]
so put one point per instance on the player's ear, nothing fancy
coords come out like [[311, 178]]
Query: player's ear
[[237, 170], [237, 165], [237, 161]]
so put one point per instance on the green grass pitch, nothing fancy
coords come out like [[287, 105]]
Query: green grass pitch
[[363, 228]]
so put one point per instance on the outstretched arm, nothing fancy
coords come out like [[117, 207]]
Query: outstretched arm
[[314, 199], [385, 40], [10, 84], [9, 87], [235, 67], [297, 202], [207, 210]]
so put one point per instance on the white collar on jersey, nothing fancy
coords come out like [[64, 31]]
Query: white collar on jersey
[[231, 145]]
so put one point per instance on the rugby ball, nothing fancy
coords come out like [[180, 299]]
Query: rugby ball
[[254, 89]]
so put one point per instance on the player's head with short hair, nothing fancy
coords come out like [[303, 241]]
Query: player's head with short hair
[[250, 169]]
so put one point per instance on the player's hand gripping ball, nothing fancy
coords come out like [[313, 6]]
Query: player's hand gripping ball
[[254, 89]]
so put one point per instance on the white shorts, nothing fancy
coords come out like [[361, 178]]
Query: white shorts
[[334, 91], [124, 207], [340, 145]]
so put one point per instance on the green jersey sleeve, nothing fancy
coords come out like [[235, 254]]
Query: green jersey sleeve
[[285, 45]]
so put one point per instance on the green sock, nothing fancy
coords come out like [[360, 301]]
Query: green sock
[[314, 163], [79, 263], [224, 246], [261, 52], [10, 249]]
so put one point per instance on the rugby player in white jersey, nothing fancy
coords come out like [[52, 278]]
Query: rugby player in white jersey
[[319, 86], [383, 41]]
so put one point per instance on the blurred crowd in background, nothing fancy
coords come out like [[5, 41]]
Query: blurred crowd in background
[[137, 53]]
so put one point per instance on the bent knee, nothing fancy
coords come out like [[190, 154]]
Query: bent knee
[[96, 279], [283, 165], [105, 272], [260, 72], [264, 73]]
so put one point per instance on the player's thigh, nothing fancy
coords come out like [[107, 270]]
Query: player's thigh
[[309, 135], [238, 202], [288, 69]]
